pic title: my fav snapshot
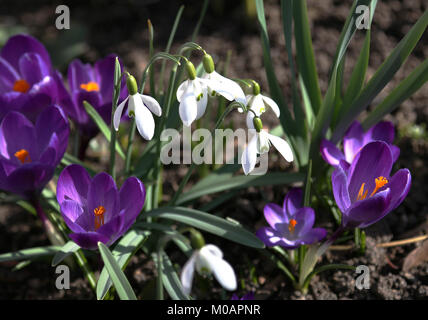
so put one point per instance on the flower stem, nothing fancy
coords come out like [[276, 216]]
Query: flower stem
[[131, 135]]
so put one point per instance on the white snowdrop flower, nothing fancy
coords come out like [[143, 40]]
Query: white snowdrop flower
[[259, 104], [218, 84], [192, 95], [141, 107], [259, 143], [208, 260]]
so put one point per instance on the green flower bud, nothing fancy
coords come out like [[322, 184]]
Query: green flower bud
[[258, 125], [191, 72], [208, 63], [131, 84], [256, 88], [196, 239]]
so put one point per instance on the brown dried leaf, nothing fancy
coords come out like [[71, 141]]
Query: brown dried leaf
[[416, 257]]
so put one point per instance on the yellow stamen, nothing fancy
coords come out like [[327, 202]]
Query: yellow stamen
[[99, 216], [380, 182], [23, 156], [292, 225], [21, 86], [90, 86]]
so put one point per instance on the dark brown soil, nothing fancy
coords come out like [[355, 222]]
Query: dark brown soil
[[120, 27]]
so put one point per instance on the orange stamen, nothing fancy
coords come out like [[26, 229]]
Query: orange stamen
[[380, 182], [23, 156], [90, 86], [99, 216], [21, 86], [292, 225]]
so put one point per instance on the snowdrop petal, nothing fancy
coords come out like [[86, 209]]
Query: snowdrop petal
[[271, 104], [152, 104], [257, 105], [202, 104], [182, 89], [188, 107], [187, 274], [144, 120], [118, 114], [282, 146], [250, 120], [249, 156], [221, 269], [263, 145], [214, 250]]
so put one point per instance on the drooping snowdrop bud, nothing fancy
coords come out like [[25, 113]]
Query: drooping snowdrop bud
[[141, 107], [208, 260], [258, 125], [191, 72], [208, 63]]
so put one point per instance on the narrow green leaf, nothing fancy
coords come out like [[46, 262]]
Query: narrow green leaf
[[69, 159], [207, 222], [29, 254], [225, 182], [105, 130], [403, 91], [305, 53], [123, 288], [171, 281], [122, 252], [69, 248], [310, 117], [382, 76]]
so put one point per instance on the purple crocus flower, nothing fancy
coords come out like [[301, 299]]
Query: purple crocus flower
[[247, 296], [27, 79], [29, 153], [95, 85], [355, 138], [94, 209], [292, 225], [364, 191]]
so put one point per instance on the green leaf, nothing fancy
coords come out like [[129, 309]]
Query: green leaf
[[305, 53], [123, 288], [217, 182], [382, 76], [69, 248], [404, 90], [122, 252], [310, 117], [105, 130], [207, 222], [29, 254], [69, 159], [171, 281]]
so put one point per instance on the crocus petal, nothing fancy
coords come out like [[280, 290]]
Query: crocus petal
[[79, 73], [152, 104], [340, 189], [113, 229], [132, 195], [71, 211], [274, 214], [32, 67], [249, 156], [221, 269], [89, 240], [305, 218], [395, 152], [374, 160], [399, 184], [63, 98], [73, 184], [314, 235], [271, 238], [363, 213], [144, 119], [383, 131], [8, 76], [188, 108], [353, 141], [330, 153], [20, 44], [104, 71], [102, 192], [282, 146], [271, 104], [118, 114], [292, 202], [187, 274]]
